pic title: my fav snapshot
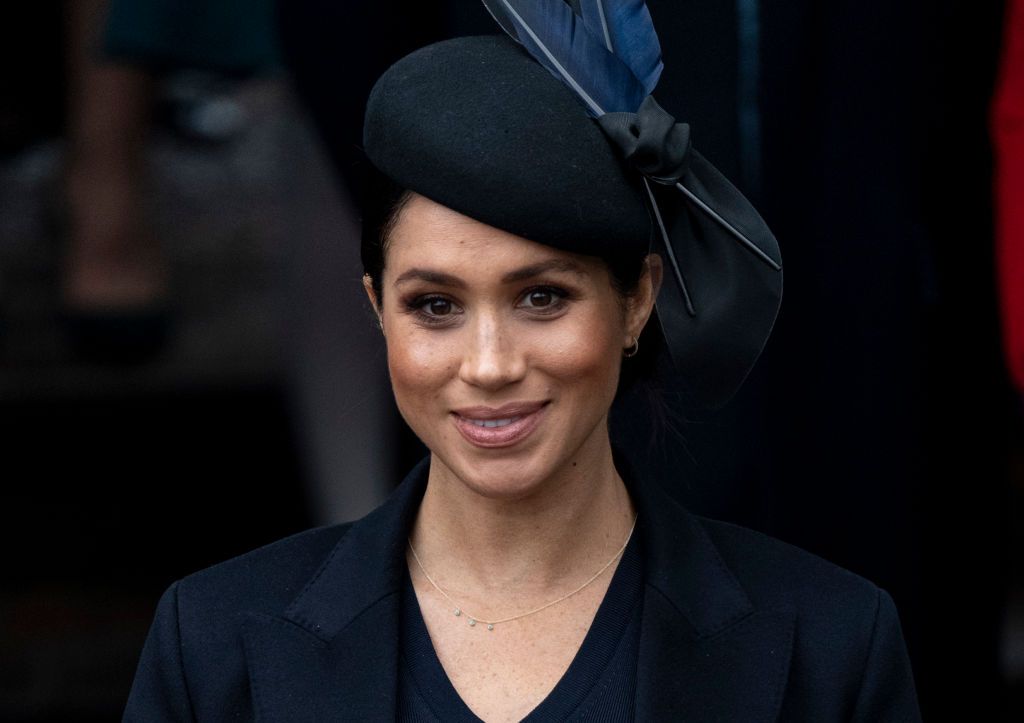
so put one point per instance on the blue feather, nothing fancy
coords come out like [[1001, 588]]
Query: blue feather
[[559, 40], [498, 12], [609, 55], [626, 29]]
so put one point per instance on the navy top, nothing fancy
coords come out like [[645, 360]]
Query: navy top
[[736, 626], [599, 685]]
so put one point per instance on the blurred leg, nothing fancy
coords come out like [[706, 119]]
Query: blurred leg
[[112, 260]]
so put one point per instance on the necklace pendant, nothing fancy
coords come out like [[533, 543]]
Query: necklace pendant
[[457, 611]]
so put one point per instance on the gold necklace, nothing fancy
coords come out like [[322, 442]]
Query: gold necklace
[[473, 619]]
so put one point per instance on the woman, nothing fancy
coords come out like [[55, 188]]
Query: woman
[[522, 571]]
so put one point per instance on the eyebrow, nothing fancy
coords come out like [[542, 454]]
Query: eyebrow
[[430, 276], [527, 272]]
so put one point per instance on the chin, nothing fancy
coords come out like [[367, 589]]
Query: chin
[[508, 476]]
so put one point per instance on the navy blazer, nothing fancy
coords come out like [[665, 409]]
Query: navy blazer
[[736, 626]]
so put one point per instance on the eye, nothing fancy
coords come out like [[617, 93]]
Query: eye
[[540, 297], [437, 306], [544, 299], [432, 309]]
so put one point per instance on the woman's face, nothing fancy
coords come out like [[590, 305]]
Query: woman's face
[[504, 354]]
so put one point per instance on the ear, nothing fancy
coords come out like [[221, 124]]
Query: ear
[[640, 305], [372, 295]]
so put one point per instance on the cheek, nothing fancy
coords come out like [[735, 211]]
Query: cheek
[[419, 368], [584, 351]]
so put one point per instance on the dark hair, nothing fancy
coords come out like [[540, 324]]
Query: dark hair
[[382, 201]]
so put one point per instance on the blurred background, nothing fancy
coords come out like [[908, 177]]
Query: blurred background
[[188, 368]]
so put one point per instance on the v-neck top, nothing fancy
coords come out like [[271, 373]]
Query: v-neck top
[[598, 686]]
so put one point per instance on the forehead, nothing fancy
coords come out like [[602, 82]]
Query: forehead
[[428, 234]]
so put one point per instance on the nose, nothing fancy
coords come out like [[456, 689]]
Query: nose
[[493, 356]]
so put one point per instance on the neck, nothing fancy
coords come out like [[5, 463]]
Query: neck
[[563, 531]]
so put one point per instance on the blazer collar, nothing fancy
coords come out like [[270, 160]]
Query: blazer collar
[[333, 653], [705, 652]]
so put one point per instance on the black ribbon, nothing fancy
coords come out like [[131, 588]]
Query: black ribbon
[[650, 140]]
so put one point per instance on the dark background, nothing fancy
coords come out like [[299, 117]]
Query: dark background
[[879, 429]]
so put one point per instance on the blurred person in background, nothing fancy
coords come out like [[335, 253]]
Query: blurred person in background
[[114, 275], [238, 40], [114, 295], [115, 284], [126, 215]]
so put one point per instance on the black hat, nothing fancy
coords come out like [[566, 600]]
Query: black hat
[[557, 140]]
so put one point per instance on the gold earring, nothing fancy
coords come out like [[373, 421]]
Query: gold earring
[[631, 350]]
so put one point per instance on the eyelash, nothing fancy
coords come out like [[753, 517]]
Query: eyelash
[[417, 305]]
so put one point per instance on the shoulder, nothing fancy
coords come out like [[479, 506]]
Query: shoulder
[[776, 574], [193, 663], [263, 580], [847, 637], [830, 603]]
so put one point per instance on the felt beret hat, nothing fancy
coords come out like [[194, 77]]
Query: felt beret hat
[[552, 134], [477, 125]]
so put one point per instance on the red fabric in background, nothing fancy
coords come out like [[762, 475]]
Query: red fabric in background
[[1008, 139]]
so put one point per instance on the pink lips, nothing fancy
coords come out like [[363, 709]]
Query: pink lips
[[502, 426]]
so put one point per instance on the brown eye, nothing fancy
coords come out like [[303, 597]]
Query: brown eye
[[544, 300], [540, 298], [438, 307], [433, 309]]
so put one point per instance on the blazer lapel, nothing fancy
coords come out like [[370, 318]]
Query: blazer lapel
[[706, 654], [296, 676], [333, 653]]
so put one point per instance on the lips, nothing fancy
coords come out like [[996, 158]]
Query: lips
[[493, 427]]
